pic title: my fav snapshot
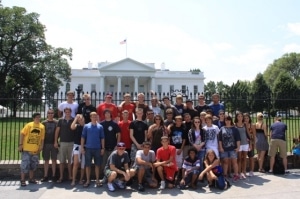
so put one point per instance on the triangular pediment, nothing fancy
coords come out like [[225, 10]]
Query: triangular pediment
[[127, 64]]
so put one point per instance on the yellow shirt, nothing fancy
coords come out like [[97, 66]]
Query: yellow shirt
[[33, 134]]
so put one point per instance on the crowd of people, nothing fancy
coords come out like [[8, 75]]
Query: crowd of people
[[156, 145]]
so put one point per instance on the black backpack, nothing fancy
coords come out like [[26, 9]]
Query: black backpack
[[278, 168]]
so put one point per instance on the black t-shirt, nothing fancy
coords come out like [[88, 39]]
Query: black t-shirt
[[111, 129], [193, 113], [50, 127], [139, 128], [77, 134], [201, 108], [85, 111], [177, 136], [187, 126]]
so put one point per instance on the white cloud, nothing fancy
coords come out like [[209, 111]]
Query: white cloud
[[294, 28], [291, 48], [222, 46]]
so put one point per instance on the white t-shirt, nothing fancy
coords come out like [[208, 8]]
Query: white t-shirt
[[211, 138], [65, 104]]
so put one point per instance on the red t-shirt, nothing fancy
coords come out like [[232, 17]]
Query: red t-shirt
[[130, 108], [165, 154], [103, 106], [125, 133]]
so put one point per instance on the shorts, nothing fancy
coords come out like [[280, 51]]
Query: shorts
[[179, 158], [49, 152], [81, 157], [274, 145], [108, 172], [91, 154], [228, 154], [29, 161], [65, 152], [244, 147], [188, 178]]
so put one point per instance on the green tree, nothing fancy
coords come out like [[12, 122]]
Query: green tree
[[289, 63], [28, 65], [261, 94], [285, 90]]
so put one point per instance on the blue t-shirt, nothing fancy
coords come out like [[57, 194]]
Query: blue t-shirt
[[278, 130], [93, 135], [216, 108]]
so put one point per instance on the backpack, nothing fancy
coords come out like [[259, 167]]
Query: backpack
[[278, 168], [296, 150]]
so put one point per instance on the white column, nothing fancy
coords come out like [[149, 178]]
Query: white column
[[119, 85], [153, 84], [102, 84], [136, 83]]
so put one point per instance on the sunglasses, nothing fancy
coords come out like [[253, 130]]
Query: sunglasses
[[197, 122]]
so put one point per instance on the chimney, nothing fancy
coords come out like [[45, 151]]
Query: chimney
[[90, 65]]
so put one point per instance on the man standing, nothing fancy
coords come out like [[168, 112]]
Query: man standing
[[201, 107], [49, 151], [138, 133], [68, 104], [112, 135], [107, 104], [127, 105], [278, 131], [86, 108], [125, 132], [66, 135], [92, 145], [31, 144], [216, 105], [190, 109], [117, 169], [166, 163], [143, 166], [150, 117], [167, 105]]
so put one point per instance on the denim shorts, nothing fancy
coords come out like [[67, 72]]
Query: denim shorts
[[228, 154], [93, 154]]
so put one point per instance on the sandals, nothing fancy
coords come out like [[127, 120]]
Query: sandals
[[59, 181], [86, 185], [81, 182], [32, 181], [99, 184], [23, 183], [261, 171]]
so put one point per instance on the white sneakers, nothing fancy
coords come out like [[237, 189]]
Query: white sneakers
[[251, 173], [120, 184], [110, 187], [162, 185]]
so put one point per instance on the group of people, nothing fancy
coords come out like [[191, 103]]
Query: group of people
[[158, 144]]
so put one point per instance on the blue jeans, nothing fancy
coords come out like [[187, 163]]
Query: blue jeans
[[200, 156]]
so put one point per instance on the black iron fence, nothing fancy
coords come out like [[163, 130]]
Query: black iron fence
[[16, 112]]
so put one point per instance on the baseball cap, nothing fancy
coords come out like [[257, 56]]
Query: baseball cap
[[121, 144]]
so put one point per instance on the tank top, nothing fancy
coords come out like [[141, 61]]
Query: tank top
[[260, 130], [156, 138]]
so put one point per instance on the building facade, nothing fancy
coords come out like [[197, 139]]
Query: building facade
[[130, 76]]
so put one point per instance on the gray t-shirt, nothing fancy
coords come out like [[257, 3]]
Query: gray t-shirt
[[243, 135], [150, 157], [117, 160], [66, 134]]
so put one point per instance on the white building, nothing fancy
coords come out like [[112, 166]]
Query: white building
[[131, 76]]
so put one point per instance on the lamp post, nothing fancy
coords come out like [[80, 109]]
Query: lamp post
[[78, 90]]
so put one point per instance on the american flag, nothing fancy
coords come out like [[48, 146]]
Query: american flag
[[123, 42]]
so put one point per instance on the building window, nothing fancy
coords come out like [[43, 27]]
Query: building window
[[141, 89], [111, 88], [195, 89], [93, 87], [68, 87], [171, 88], [159, 88], [183, 89], [126, 88]]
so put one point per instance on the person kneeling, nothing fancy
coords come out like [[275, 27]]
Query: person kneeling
[[143, 167], [190, 170], [117, 169]]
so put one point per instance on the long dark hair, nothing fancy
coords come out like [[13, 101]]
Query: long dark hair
[[161, 120], [206, 156], [193, 124]]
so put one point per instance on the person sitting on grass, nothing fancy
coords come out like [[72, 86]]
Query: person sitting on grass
[[190, 169], [31, 144]]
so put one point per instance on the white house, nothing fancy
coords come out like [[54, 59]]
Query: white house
[[128, 75]]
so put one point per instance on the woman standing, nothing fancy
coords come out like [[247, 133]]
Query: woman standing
[[156, 131], [244, 146], [261, 141], [252, 134], [196, 139]]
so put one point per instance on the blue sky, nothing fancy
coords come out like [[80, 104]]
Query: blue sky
[[227, 39]]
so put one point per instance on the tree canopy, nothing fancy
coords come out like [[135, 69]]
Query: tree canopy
[[28, 65]]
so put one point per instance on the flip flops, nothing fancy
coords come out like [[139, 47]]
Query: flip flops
[[23, 183]]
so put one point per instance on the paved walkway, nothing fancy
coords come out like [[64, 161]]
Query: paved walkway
[[258, 187]]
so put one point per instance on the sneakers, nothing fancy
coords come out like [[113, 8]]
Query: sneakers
[[251, 173], [141, 188], [110, 187], [242, 176], [162, 185], [235, 178], [120, 184], [45, 179]]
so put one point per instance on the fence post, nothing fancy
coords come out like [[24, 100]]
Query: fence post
[[78, 90]]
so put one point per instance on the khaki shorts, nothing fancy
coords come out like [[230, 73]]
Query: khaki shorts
[[65, 152], [274, 145]]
